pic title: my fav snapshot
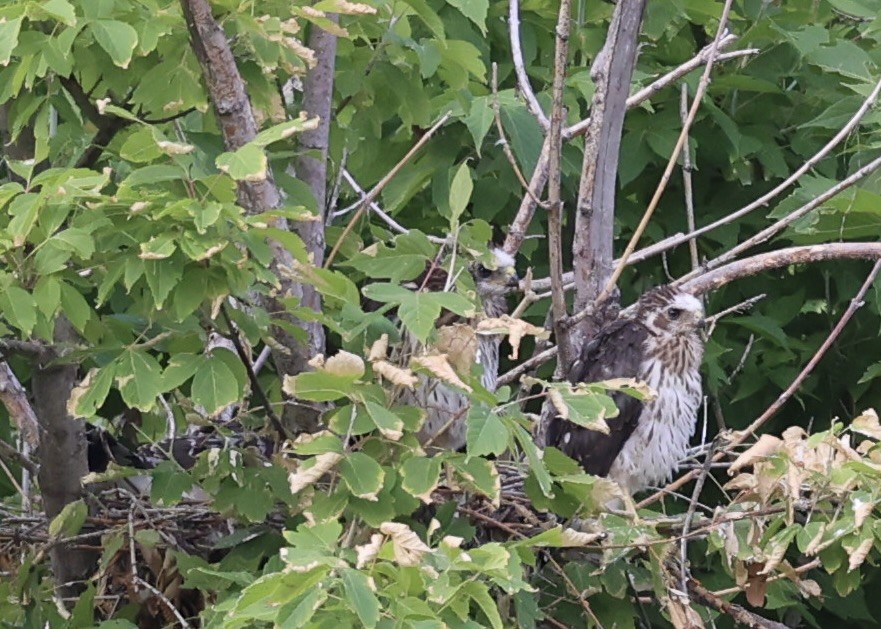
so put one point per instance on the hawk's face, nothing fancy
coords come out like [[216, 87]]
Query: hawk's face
[[494, 280], [668, 311]]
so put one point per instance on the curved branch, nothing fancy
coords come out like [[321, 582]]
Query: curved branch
[[712, 280], [520, 69]]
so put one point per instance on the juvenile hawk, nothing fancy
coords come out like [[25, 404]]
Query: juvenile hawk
[[658, 344], [446, 407]]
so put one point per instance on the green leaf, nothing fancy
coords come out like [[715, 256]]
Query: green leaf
[[478, 474], [214, 386], [180, 368], [169, 483], [139, 379], [284, 130], [419, 313], [474, 10], [89, 395], [479, 593], [249, 163], [460, 192], [18, 308], [70, 520], [162, 277], [47, 295], [420, 475], [8, 39], [534, 458], [360, 596], [318, 386], [75, 306], [24, 210], [302, 610], [428, 16], [118, 40], [486, 433], [363, 476], [390, 425]]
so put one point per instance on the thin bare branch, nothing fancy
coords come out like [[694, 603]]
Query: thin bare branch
[[374, 207], [523, 84], [762, 262], [555, 200], [382, 183], [519, 226], [15, 399], [678, 239], [686, 178], [740, 615], [770, 231], [855, 305], [503, 140], [671, 163]]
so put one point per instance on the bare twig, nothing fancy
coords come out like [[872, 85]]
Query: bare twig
[[555, 201], [762, 262], [686, 179], [174, 610], [503, 140], [11, 454], [532, 103], [772, 230], [689, 515], [382, 183], [374, 207], [526, 366], [671, 163], [746, 304], [518, 227], [15, 399], [855, 305], [739, 614], [678, 239]]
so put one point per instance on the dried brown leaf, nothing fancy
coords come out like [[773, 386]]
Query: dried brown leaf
[[459, 343], [396, 375], [575, 539], [303, 478], [368, 552], [408, 548], [559, 403], [344, 363], [516, 329], [682, 616], [756, 585], [379, 349], [439, 367], [859, 554], [867, 424], [763, 448]]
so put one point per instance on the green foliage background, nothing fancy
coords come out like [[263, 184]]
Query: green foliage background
[[137, 248]]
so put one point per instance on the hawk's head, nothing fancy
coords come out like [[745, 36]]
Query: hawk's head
[[496, 277], [670, 311]]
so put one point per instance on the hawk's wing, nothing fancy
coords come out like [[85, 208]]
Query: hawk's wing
[[616, 352]]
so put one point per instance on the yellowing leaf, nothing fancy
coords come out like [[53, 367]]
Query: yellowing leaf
[[516, 329], [379, 349], [395, 375], [368, 552], [763, 448], [459, 343], [858, 556], [345, 364], [305, 476], [867, 424], [439, 367], [408, 548]]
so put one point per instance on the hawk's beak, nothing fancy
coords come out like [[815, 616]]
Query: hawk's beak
[[512, 280], [702, 323]]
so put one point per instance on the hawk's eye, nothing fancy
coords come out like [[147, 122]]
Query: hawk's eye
[[674, 313], [482, 272]]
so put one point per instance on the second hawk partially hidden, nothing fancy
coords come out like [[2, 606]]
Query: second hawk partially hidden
[[659, 344]]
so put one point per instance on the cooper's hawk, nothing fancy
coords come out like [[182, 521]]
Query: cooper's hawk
[[657, 343]]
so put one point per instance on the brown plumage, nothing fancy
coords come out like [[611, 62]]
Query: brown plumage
[[658, 344]]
